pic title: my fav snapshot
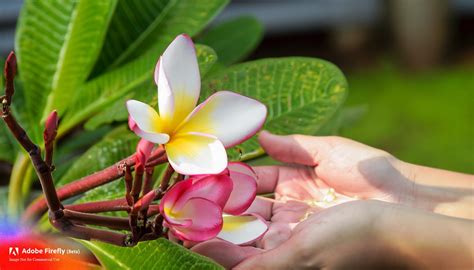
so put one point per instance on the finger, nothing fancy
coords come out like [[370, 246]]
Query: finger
[[278, 232], [290, 212], [262, 207], [225, 253], [298, 149], [267, 178]]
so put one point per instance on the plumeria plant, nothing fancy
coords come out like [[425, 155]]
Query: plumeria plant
[[206, 199], [134, 167]]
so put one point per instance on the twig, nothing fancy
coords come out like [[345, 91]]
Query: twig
[[107, 175], [100, 206], [165, 180], [115, 223], [128, 185], [148, 183], [86, 233]]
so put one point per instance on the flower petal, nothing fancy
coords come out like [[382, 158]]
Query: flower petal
[[169, 200], [195, 153], [240, 167], [231, 117], [215, 188], [242, 229], [244, 188], [206, 220], [179, 82], [145, 122]]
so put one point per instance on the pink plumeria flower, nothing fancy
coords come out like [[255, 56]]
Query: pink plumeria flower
[[195, 138], [205, 206]]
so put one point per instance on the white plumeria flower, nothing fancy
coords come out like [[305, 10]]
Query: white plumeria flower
[[195, 138]]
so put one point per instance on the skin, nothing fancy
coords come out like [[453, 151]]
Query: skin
[[379, 205]]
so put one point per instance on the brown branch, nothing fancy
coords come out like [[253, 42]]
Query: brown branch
[[109, 206], [137, 184], [42, 169], [86, 233], [128, 185], [115, 223], [100, 206], [165, 181], [107, 175], [149, 181]]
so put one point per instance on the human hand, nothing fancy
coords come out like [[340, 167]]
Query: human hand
[[359, 235], [319, 163], [357, 171]]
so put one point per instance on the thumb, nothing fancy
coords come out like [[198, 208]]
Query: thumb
[[300, 149]]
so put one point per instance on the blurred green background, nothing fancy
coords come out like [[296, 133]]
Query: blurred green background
[[425, 118], [409, 64]]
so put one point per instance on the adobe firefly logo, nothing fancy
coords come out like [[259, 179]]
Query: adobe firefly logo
[[13, 251]]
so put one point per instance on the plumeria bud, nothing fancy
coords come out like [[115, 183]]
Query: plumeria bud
[[10, 72], [51, 127], [131, 124], [144, 149]]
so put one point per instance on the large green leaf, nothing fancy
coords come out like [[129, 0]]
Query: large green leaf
[[132, 22], [57, 43], [147, 92], [156, 254], [186, 16], [235, 39], [301, 94]]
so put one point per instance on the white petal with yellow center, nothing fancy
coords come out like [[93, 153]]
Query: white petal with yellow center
[[148, 122], [179, 82], [242, 229], [195, 153], [231, 117]]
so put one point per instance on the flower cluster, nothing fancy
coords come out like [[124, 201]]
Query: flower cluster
[[215, 195], [203, 206]]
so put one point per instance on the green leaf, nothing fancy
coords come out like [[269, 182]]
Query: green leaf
[[116, 145], [68, 151], [116, 111], [301, 94], [156, 254], [57, 43], [235, 39], [186, 16], [8, 145], [3, 202], [7, 142], [133, 21]]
